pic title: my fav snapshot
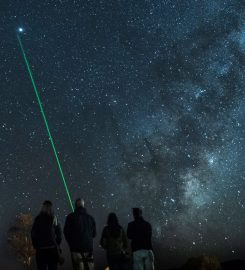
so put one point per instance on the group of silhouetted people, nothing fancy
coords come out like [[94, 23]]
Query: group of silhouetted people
[[79, 231]]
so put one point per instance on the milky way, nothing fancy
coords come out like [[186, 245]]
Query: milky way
[[145, 101]]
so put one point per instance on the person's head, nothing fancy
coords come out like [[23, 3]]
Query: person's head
[[137, 213], [112, 219], [47, 208], [79, 203]]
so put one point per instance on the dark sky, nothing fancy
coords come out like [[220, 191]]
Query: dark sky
[[145, 101]]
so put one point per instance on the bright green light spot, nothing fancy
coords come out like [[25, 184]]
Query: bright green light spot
[[45, 121]]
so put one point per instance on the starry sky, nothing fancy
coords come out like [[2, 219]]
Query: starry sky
[[145, 101]]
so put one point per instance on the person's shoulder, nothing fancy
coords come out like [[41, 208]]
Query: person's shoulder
[[147, 223], [70, 215], [36, 219], [131, 223], [88, 215], [91, 217], [42, 218], [39, 217], [105, 229]]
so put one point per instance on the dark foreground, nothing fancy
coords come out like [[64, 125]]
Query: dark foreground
[[211, 263]]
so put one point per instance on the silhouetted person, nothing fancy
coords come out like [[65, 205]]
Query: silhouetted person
[[79, 231], [140, 233], [114, 241], [46, 237]]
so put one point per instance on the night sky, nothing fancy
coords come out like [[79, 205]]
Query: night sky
[[146, 104]]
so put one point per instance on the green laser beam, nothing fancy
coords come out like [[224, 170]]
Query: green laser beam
[[45, 120]]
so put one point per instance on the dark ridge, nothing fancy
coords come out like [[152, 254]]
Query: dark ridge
[[233, 265]]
